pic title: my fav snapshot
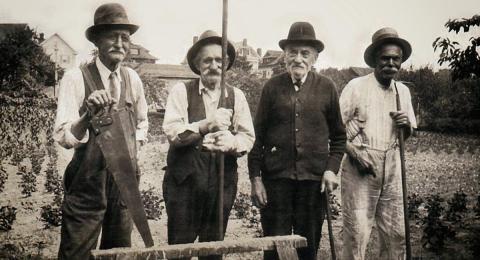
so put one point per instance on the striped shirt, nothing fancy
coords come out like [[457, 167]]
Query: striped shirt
[[370, 101]]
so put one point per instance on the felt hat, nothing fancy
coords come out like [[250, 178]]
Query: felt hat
[[302, 32], [386, 36], [110, 15], [208, 37]]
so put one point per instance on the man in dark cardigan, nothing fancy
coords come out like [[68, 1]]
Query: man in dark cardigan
[[300, 141]]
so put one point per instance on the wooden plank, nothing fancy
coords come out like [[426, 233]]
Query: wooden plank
[[201, 249], [286, 250]]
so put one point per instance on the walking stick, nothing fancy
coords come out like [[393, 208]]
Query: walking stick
[[221, 156], [401, 142], [329, 224]]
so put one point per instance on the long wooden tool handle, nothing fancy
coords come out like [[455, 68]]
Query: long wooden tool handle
[[221, 170], [401, 143], [329, 223]]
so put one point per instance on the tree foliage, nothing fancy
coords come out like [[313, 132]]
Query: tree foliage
[[463, 63]]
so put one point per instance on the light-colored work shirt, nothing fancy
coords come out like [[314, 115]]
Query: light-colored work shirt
[[71, 96], [373, 103], [176, 115]]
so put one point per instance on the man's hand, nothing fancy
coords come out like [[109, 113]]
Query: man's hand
[[220, 121], [258, 193], [221, 141], [400, 118], [329, 180], [99, 99]]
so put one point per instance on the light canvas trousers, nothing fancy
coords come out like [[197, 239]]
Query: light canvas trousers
[[367, 200]]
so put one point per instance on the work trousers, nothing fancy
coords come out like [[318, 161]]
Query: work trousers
[[92, 204], [296, 206], [192, 205], [367, 199]]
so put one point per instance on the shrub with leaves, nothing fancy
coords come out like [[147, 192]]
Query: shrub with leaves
[[249, 214], [152, 203], [457, 206], [435, 230], [3, 178], [335, 207], [28, 182], [414, 202], [16, 251], [8, 214], [51, 215]]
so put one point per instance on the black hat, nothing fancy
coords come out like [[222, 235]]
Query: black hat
[[302, 32], [208, 37], [385, 36], [111, 15]]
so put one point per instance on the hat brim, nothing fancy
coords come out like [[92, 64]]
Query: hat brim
[[193, 51], [318, 45], [370, 51], [94, 29]]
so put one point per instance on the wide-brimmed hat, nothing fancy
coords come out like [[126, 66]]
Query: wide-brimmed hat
[[111, 15], [303, 33], [385, 36], [208, 37]]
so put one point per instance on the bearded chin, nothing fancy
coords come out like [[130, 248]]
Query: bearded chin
[[211, 81]]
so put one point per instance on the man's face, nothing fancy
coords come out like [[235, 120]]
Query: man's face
[[388, 60], [113, 46], [299, 60], [209, 63]]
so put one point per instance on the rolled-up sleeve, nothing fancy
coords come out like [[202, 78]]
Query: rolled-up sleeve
[[243, 125], [176, 121], [70, 97]]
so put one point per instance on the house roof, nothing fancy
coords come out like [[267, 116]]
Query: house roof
[[142, 53], [278, 59], [56, 35], [165, 71], [272, 53], [6, 28], [252, 51]]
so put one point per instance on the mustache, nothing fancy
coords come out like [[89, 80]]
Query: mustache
[[213, 73], [117, 50]]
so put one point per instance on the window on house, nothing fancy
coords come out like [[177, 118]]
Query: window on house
[[134, 51]]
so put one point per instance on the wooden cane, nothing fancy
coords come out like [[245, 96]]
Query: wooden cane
[[329, 224], [401, 141], [222, 101]]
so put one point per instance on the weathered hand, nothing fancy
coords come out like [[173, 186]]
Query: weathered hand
[[330, 180], [221, 141], [400, 118], [258, 193], [99, 99]]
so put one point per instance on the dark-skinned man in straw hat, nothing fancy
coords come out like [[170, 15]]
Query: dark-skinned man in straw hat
[[371, 170], [196, 128], [92, 201], [300, 141]]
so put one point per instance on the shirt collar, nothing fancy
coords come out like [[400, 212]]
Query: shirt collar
[[202, 88], [302, 80], [382, 87], [105, 72]]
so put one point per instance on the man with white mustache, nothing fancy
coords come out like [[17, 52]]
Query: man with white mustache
[[299, 144], [92, 202], [196, 127], [371, 172]]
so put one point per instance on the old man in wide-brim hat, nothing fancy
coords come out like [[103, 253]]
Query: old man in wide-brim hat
[[196, 126], [371, 172], [299, 146], [92, 200]]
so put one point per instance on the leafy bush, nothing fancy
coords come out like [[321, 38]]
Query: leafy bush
[[51, 215], [414, 202], [28, 182], [335, 207], [3, 178], [457, 206], [13, 252], [249, 214], [435, 230], [152, 203], [8, 214]]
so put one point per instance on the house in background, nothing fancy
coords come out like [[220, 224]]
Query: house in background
[[138, 54], [251, 55], [59, 51], [271, 60]]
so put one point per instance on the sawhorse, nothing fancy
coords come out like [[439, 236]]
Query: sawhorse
[[284, 245]]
